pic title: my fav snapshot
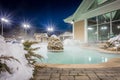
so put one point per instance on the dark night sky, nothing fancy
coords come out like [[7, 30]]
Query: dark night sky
[[41, 12]]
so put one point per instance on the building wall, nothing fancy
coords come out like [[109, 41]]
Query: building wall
[[79, 29]]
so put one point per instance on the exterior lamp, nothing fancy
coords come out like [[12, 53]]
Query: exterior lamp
[[26, 26], [103, 28], [118, 27], [3, 20], [90, 28], [50, 29]]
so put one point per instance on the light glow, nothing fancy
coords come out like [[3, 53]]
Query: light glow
[[72, 22], [90, 59], [104, 28], [26, 26], [118, 27], [50, 29], [4, 20], [90, 28]]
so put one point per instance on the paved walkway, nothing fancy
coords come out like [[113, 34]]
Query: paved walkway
[[78, 74]]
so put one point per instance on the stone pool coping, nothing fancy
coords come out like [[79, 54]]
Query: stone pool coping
[[115, 62], [106, 51], [100, 50]]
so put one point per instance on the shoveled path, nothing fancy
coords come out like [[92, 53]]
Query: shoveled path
[[51, 73]]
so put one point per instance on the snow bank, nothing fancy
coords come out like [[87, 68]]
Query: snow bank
[[20, 70]]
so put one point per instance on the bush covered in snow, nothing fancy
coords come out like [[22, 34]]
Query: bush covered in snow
[[112, 44], [12, 56], [30, 55], [54, 43]]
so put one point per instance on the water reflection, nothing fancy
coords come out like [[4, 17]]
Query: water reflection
[[89, 59], [104, 59]]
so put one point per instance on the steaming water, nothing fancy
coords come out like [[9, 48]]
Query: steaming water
[[73, 54]]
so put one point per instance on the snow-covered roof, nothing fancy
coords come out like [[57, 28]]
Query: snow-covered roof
[[66, 34], [41, 34]]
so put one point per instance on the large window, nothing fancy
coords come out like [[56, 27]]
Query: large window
[[104, 31], [92, 21], [104, 26], [92, 29], [116, 22], [116, 27], [92, 33]]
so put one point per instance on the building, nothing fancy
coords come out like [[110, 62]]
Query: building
[[66, 35], [96, 20], [41, 37]]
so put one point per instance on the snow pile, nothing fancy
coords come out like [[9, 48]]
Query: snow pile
[[20, 70], [117, 38], [71, 42], [112, 44], [115, 41]]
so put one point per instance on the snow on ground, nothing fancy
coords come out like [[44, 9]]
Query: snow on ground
[[21, 71]]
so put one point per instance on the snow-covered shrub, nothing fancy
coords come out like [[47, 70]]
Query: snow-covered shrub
[[30, 55], [14, 57], [3, 66], [54, 43], [112, 43]]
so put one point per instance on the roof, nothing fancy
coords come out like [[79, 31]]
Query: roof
[[91, 8], [66, 34], [41, 34]]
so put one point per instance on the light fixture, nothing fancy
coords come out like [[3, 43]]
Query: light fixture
[[104, 28], [3, 20], [50, 29], [26, 25], [118, 26], [90, 28]]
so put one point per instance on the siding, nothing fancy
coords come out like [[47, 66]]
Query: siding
[[79, 29]]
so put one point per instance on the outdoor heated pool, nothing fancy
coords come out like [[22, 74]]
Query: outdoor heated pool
[[77, 55]]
